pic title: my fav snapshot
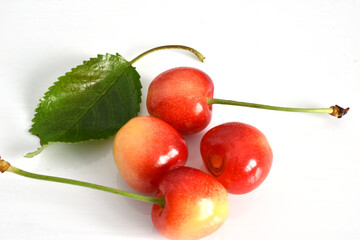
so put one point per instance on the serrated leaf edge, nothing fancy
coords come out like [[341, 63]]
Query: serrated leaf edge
[[42, 147]]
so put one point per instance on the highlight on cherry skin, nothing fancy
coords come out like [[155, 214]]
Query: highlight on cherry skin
[[144, 149], [196, 204], [238, 155], [183, 97], [190, 204]]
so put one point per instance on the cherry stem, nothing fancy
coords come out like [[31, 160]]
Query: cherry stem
[[335, 111], [197, 54], [6, 167]]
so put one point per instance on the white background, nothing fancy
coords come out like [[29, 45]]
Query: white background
[[289, 53]]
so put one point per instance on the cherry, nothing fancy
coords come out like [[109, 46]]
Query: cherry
[[146, 147], [238, 155], [179, 97], [183, 97], [196, 204], [189, 204]]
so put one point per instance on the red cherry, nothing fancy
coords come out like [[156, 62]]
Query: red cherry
[[183, 97], [196, 205], [179, 96], [145, 148], [238, 155]]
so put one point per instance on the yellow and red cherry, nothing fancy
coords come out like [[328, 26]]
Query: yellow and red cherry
[[144, 149], [196, 205]]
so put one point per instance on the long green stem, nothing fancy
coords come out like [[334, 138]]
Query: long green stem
[[333, 110], [5, 166], [197, 54]]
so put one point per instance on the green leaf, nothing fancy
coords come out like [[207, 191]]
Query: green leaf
[[92, 101]]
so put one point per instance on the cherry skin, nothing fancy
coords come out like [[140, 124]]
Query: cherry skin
[[238, 155], [196, 205], [146, 147], [179, 96]]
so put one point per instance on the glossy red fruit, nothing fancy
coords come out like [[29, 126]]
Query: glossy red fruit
[[238, 155], [144, 149], [196, 205], [179, 97]]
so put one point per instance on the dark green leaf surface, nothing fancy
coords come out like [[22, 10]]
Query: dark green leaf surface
[[92, 101]]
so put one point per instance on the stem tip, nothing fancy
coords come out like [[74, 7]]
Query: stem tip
[[339, 111], [4, 165]]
